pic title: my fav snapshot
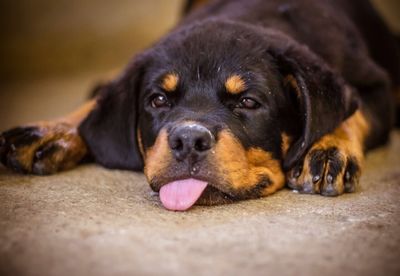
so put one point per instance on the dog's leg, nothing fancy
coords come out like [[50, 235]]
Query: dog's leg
[[45, 147], [333, 165]]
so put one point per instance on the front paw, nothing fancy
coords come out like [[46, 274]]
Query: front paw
[[329, 171], [41, 149]]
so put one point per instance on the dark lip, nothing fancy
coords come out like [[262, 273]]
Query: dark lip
[[156, 185]]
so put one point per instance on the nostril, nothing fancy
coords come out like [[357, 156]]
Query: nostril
[[177, 144], [201, 144]]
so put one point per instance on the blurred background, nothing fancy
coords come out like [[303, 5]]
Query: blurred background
[[53, 52]]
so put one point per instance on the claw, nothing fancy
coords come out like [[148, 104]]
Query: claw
[[348, 176], [46, 151], [329, 179], [39, 154], [316, 178]]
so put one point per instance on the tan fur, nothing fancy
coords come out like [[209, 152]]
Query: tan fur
[[245, 169], [158, 157], [348, 137], [235, 84], [170, 82]]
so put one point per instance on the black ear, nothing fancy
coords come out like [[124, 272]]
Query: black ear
[[110, 129], [325, 100]]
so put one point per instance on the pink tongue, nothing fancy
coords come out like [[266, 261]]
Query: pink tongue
[[182, 194]]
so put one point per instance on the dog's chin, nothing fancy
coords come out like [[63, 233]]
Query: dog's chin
[[213, 196]]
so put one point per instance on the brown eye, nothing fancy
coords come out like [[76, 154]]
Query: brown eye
[[159, 101], [248, 103]]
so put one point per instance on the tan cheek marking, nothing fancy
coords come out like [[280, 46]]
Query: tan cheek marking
[[261, 163], [244, 169], [158, 157], [235, 84], [170, 82]]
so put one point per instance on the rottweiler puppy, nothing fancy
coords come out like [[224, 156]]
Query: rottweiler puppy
[[241, 98]]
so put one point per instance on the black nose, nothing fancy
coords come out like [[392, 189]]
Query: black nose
[[190, 141]]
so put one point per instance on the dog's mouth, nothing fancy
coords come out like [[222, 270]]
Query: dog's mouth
[[181, 195]]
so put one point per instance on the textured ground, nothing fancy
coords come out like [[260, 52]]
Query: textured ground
[[92, 221]]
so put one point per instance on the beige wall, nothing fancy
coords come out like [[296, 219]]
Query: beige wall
[[48, 37], [390, 9]]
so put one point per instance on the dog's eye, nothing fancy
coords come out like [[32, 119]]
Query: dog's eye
[[248, 103], [159, 101]]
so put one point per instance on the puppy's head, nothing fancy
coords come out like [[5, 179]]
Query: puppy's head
[[215, 111]]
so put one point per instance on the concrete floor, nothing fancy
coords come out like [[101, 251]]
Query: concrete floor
[[93, 221]]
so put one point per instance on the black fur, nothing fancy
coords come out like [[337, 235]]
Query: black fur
[[265, 41], [110, 129]]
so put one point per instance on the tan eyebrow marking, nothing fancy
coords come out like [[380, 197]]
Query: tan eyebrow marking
[[235, 84], [170, 82]]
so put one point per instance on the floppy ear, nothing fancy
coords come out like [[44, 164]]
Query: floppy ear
[[325, 100], [110, 129]]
